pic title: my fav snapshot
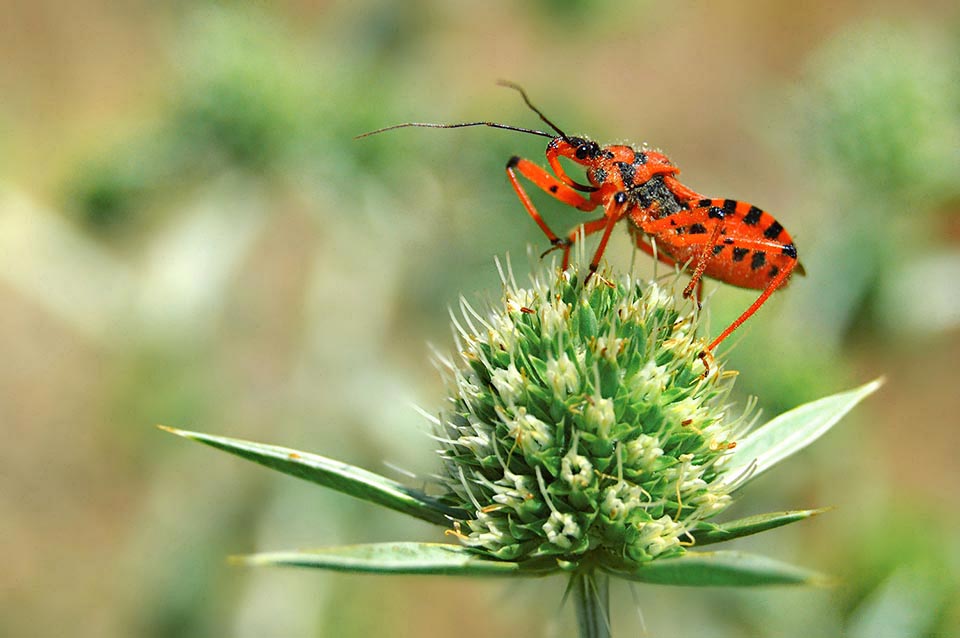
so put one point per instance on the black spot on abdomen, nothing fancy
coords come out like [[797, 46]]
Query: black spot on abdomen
[[752, 218], [773, 230]]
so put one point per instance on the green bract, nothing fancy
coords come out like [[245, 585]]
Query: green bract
[[583, 423]]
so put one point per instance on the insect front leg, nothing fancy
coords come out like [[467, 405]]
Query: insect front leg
[[556, 189], [613, 213], [587, 228]]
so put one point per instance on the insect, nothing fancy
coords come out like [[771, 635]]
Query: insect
[[726, 239]]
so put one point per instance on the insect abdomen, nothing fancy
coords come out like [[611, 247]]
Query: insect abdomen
[[753, 247]]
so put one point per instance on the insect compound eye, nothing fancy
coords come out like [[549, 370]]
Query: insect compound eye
[[620, 198], [587, 150]]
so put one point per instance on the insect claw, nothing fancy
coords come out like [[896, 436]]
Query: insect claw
[[706, 357], [557, 244]]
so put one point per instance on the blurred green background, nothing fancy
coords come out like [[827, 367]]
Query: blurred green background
[[189, 235]]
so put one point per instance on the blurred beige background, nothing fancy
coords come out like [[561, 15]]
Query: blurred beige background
[[189, 235]]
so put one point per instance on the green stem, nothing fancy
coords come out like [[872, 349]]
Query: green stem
[[591, 598]]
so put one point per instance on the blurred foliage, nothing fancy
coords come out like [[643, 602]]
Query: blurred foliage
[[882, 116], [221, 254], [881, 110], [244, 108]]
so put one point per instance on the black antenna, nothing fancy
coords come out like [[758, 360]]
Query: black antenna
[[461, 125], [523, 94]]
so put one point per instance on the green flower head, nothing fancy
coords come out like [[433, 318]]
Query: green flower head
[[583, 424]]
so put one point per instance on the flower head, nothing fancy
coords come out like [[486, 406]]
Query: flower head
[[582, 423]]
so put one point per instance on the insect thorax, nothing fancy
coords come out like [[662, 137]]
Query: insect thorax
[[654, 194]]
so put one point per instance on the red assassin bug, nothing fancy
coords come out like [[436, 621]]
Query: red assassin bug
[[729, 240]]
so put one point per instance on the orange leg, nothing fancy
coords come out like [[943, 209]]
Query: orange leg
[[643, 244], [555, 188], [696, 281], [614, 212], [553, 158], [588, 228], [680, 220], [775, 283]]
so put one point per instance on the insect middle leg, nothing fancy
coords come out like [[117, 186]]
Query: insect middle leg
[[646, 246], [556, 189], [671, 227]]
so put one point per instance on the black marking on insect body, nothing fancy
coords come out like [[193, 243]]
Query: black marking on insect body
[[655, 192], [753, 216], [628, 172], [773, 230]]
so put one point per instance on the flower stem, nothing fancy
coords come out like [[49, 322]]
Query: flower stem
[[591, 597]]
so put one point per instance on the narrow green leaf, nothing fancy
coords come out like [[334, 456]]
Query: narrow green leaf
[[709, 533], [400, 558], [336, 475], [791, 432], [720, 569]]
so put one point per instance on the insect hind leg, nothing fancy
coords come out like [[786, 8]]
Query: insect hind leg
[[774, 284]]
